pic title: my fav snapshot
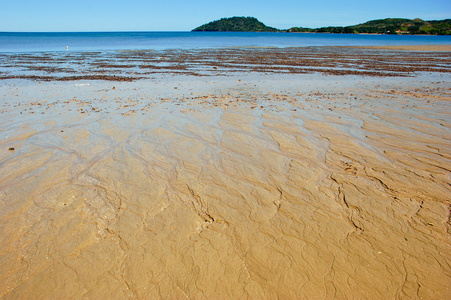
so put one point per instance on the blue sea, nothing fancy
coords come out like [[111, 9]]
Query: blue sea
[[107, 41]]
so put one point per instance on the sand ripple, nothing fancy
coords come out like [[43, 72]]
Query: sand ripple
[[306, 193]]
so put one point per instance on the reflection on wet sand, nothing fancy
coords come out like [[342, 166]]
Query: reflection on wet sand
[[233, 188]]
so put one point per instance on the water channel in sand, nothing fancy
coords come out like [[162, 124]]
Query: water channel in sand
[[257, 186]]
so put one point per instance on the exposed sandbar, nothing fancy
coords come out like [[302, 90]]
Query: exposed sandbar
[[250, 185], [429, 48], [144, 64]]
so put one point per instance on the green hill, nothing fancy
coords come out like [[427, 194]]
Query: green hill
[[236, 24], [388, 26], [382, 26]]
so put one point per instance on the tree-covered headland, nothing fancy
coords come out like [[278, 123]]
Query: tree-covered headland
[[388, 26], [383, 26]]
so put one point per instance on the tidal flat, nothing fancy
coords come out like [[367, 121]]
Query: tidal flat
[[272, 173]]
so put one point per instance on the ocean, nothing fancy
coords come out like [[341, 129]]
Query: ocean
[[109, 41]]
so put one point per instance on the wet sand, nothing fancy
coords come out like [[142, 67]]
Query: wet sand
[[148, 64], [251, 185], [432, 48]]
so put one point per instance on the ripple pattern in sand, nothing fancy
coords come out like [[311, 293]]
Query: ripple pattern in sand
[[310, 196]]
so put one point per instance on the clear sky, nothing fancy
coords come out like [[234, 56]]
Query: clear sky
[[184, 15]]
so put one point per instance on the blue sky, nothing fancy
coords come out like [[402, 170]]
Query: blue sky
[[184, 15]]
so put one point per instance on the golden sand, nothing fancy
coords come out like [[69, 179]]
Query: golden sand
[[291, 187]]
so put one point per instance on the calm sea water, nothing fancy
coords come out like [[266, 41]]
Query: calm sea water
[[100, 41]]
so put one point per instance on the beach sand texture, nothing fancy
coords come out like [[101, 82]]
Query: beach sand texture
[[245, 186], [411, 47]]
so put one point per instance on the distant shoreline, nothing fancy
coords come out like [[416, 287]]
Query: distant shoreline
[[395, 26]]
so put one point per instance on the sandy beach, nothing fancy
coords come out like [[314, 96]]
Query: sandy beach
[[317, 173]]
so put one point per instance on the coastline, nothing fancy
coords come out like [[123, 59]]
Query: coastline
[[282, 173]]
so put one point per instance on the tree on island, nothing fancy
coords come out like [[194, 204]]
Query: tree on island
[[236, 24]]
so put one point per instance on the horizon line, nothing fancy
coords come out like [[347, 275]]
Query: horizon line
[[95, 31], [191, 30]]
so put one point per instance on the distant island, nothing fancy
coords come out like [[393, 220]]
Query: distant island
[[382, 26], [236, 24]]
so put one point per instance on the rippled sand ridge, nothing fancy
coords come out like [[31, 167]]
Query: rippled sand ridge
[[258, 186]]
